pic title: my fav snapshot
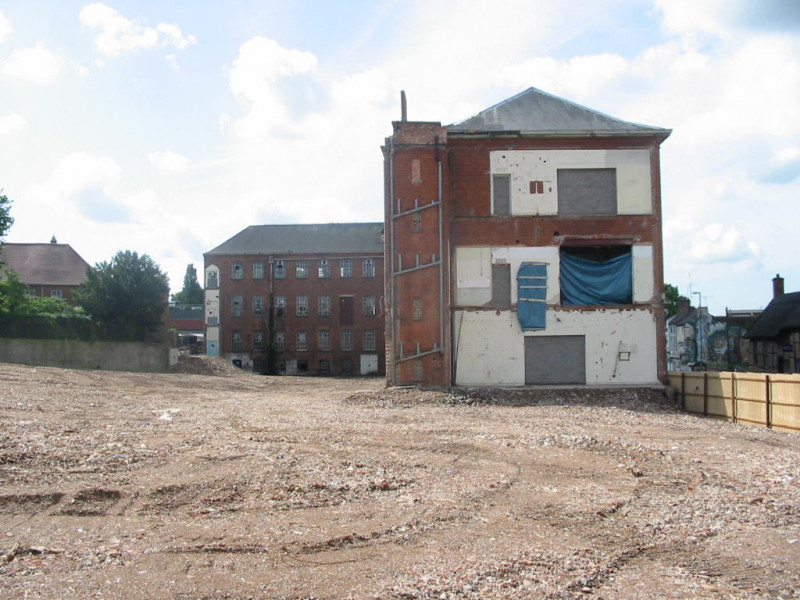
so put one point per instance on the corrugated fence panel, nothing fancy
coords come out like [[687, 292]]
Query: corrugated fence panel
[[771, 400]]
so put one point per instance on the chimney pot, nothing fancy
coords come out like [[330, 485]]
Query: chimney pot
[[403, 107], [777, 286]]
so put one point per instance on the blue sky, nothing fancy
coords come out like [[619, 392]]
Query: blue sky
[[166, 127]]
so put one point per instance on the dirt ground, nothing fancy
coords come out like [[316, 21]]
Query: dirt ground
[[208, 483]]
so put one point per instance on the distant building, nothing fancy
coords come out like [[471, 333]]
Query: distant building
[[187, 324], [775, 335], [298, 299], [49, 270], [523, 247]]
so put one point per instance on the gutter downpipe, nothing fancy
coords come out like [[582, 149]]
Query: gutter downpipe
[[441, 254], [391, 259]]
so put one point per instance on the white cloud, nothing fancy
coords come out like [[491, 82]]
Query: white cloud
[[261, 63], [5, 28], [35, 65], [119, 34], [168, 162], [80, 170], [716, 243], [12, 123]]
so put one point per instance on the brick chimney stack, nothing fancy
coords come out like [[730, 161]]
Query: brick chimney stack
[[777, 286]]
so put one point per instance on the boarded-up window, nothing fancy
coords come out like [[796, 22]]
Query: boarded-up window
[[532, 296], [501, 287], [587, 192], [501, 195], [345, 310]]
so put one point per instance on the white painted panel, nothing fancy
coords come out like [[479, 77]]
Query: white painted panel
[[489, 348], [212, 334], [620, 345], [609, 332], [473, 276], [634, 193], [643, 279]]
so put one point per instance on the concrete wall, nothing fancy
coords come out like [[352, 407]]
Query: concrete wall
[[111, 356], [620, 345]]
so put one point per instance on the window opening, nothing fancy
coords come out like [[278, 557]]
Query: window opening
[[302, 305], [324, 305], [368, 267], [258, 270], [258, 306], [369, 305], [596, 275], [347, 339], [237, 270], [346, 267], [301, 269], [302, 340], [279, 269], [369, 340]]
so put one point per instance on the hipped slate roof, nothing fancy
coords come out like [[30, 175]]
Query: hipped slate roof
[[328, 238], [782, 313], [536, 112], [44, 264]]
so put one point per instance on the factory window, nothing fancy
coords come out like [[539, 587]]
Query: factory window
[[237, 306], [302, 305], [302, 341], [279, 341], [369, 305], [346, 267], [324, 303], [258, 341], [324, 339], [324, 269], [258, 306], [369, 340], [279, 268], [301, 269], [258, 270], [347, 339], [368, 267], [237, 270]]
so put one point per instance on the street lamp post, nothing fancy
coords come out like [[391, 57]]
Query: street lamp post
[[699, 326]]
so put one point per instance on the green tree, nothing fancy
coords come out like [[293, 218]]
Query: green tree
[[12, 294], [125, 297], [6, 221], [671, 297], [191, 293]]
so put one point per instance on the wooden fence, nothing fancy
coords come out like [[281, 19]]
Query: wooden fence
[[766, 399]]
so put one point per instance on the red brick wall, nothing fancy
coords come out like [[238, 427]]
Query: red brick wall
[[290, 323]]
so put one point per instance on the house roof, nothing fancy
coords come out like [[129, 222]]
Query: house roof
[[782, 313], [328, 238], [44, 264], [536, 112]]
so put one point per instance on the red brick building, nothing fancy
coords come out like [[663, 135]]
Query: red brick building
[[523, 246], [298, 299], [49, 270]]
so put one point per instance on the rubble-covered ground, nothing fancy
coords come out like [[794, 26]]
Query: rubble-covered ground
[[207, 483]]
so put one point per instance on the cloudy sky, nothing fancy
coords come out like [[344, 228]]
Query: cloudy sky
[[165, 127]]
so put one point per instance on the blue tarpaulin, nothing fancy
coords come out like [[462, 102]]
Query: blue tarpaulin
[[588, 282], [532, 295]]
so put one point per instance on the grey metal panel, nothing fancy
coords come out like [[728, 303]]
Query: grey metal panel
[[536, 112], [587, 192], [501, 287], [501, 191], [555, 360]]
